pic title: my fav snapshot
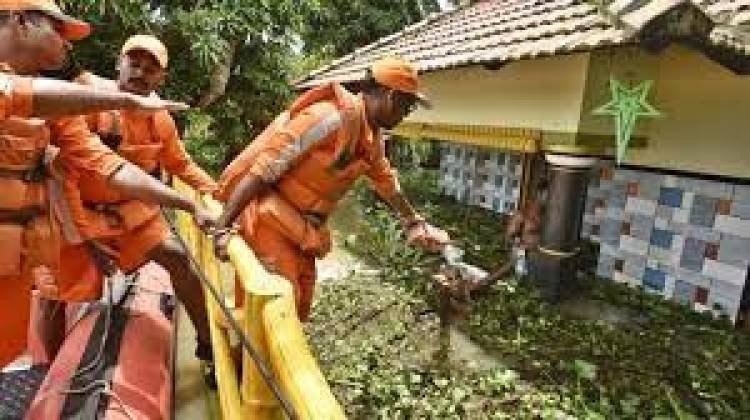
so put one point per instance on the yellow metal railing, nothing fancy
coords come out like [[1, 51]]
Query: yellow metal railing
[[269, 319]]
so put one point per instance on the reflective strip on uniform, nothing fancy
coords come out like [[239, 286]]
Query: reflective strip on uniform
[[301, 144]]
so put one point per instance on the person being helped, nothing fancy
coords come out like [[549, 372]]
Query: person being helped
[[134, 231], [287, 181], [523, 233], [34, 37]]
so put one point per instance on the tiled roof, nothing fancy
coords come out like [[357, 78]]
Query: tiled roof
[[497, 31]]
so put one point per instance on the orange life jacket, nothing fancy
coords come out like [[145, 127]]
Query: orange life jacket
[[316, 183], [28, 236], [114, 133]]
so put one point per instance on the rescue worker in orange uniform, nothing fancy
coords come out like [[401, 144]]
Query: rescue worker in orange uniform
[[34, 36], [289, 179], [135, 230]]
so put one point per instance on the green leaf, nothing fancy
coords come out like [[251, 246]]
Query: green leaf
[[584, 369]]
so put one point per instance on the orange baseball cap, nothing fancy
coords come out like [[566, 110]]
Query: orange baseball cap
[[150, 44], [71, 29], [400, 75]]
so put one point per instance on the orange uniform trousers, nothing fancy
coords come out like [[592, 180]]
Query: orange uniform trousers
[[131, 247], [286, 244]]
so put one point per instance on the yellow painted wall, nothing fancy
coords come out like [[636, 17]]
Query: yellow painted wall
[[706, 123], [540, 94]]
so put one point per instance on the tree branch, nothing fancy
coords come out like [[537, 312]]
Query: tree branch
[[219, 77]]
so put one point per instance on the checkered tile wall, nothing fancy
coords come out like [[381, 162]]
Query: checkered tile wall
[[687, 239], [483, 177]]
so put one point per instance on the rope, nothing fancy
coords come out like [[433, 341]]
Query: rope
[[260, 362], [66, 390], [559, 254], [105, 335]]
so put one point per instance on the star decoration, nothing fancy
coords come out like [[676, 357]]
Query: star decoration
[[627, 105]]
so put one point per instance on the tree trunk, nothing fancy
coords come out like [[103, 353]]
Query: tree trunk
[[219, 77]]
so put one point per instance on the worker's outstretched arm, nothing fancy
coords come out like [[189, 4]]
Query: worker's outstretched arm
[[250, 186], [403, 208], [418, 231], [385, 182], [176, 160], [133, 183], [54, 98]]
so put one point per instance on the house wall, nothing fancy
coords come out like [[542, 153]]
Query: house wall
[[544, 94], [478, 176], [682, 237], [705, 127], [706, 108]]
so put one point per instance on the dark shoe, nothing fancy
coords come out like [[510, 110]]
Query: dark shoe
[[208, 369], [204, 352]]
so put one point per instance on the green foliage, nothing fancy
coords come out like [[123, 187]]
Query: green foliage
[[257, 36], [636, 356], [257, 43], [338, 27], [414, 154]]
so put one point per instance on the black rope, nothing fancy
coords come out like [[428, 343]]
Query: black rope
[[260, 363]]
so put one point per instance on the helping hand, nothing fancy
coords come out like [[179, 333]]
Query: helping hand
[[44, 280], [221, 242], [154, 103], [205, 220], [427, 236]]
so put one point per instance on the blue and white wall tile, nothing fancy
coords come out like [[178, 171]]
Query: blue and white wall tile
[[682, 237], [482, 177]]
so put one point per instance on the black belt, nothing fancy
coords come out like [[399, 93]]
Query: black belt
[[28, 175], [315, 218], [104, 207], [20, 216]]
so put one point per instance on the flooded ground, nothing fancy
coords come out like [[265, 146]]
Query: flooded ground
[[598, 310], [610, 352]]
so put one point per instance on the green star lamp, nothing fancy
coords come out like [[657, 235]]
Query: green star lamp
[[627, 105]]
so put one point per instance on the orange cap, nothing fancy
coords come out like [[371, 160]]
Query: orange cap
[[71, 29], [401, 75], [150, 44]]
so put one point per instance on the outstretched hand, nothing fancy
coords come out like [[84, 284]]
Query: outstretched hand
[[427, 236], [205, 220], [154, 103], [221, 242]]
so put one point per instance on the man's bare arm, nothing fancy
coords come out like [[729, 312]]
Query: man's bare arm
[[54, 98], [403, 208], [250, 186]]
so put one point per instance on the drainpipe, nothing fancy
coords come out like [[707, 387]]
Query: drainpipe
[[554, 266]]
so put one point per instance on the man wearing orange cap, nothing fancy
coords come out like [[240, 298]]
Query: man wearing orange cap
[[287, 181], [34, 37], [135, 230]]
